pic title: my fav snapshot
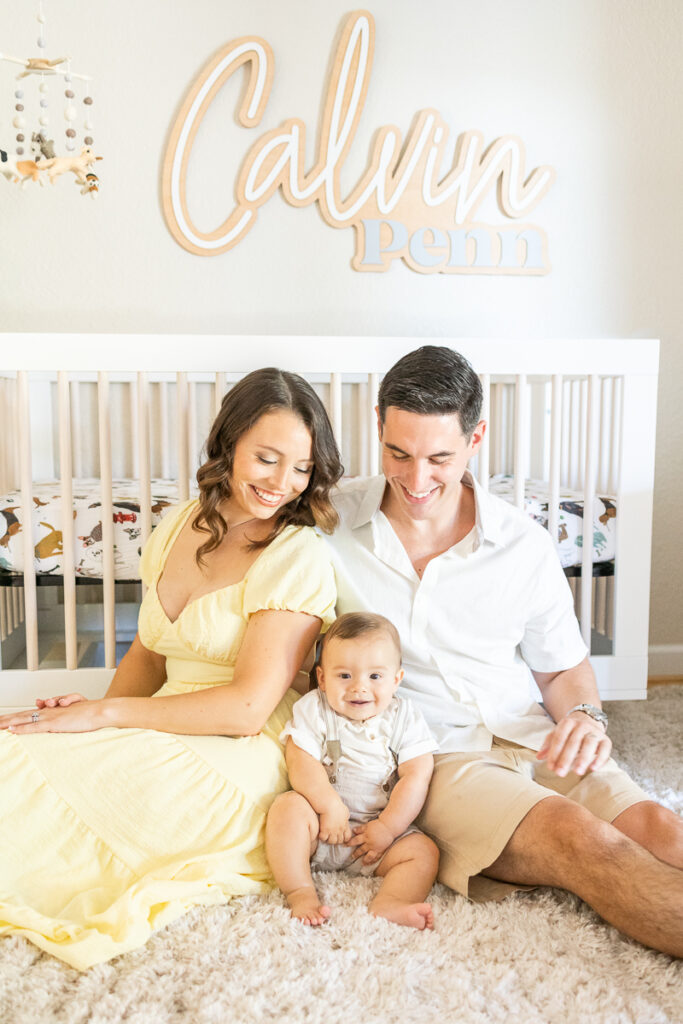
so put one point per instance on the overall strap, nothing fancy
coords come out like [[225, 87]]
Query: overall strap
[[332, 741], [398, 732]]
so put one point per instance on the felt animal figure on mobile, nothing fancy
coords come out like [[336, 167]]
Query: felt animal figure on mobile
[[91, 186], [80, 165], [42, 147], [40, 65], [19, 170]]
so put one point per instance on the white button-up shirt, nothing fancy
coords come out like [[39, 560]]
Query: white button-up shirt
[[484, 612]]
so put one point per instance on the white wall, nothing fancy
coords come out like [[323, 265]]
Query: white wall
[[593, 87]]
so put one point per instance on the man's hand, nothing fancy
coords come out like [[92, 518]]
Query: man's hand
[[576, 744], [334, 823], [371, 840]]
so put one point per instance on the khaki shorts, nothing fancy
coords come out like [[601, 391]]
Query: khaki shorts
[[476, 801]]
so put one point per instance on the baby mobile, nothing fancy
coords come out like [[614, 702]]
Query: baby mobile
[[34, 157]]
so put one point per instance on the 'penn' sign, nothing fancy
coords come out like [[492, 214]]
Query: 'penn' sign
[[403, 207]]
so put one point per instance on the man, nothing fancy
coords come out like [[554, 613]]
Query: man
[[520, 795]]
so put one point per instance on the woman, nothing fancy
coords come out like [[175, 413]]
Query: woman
[[150, 810]]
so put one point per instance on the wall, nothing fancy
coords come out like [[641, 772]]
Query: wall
[[593, 87]]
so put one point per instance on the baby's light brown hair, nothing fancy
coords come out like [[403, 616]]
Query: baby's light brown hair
[[355, 624]]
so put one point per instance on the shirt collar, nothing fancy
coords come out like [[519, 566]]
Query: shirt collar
[[371, 502], [489, 524]]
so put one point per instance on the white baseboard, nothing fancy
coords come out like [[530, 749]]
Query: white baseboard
[[665, 660]]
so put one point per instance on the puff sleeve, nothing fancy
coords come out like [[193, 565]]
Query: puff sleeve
[[294, 573], [160, 541]]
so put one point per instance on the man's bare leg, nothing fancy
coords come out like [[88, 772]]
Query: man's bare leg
[[562, 844], [291, 840], [656, 828], [408, 870]]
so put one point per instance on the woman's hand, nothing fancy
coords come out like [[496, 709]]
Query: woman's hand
[[62, 702], [80, 716], [371, 840]]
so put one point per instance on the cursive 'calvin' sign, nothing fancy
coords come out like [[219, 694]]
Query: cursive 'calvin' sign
[[403, 207]]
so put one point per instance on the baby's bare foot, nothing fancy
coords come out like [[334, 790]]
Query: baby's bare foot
[[414, 915], [306, 907]]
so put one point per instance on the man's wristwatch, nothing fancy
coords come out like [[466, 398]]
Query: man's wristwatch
[[595, 713]]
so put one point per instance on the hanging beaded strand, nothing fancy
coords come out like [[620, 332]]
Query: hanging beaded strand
[[87, 124], [19, 121], [70, 111], [44, 118]]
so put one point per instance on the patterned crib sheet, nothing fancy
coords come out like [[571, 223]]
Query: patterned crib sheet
[[87, 513], [570, 524]]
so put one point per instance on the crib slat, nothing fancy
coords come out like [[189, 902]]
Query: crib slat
[[68, 544], [555, 458], [496, 442], [336, 406], [108, 589], [164, 439], [521, 443], [145, 489], [219, 392], [615, 447], [591, 461], [373, 445], [3, 614], [583, 430], [181, 426], [76, 421], [133, 406], [30, 594], [193, 444], [4, 449], [483, 455]]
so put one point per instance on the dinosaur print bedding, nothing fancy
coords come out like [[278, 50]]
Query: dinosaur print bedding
[[87, 514]]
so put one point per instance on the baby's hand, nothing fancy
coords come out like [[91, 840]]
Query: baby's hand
[[334, 824], [371, 840]]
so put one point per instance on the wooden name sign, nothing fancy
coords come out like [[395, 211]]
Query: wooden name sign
[[404, 206]]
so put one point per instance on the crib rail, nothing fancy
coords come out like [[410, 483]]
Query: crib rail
[[561, 413]]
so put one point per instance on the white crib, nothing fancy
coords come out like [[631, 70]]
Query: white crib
[[578, 414]]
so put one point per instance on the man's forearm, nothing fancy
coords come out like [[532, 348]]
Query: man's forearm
[[564, 690]]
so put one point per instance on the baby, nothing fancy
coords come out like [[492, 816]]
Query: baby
[[360, 760]]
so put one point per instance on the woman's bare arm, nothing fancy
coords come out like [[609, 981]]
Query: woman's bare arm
[[274, 646], [141, 672]]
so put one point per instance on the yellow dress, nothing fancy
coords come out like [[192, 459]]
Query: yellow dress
[[107, 836]]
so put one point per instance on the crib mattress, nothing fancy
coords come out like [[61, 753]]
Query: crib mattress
[[87, 513], [570, 520]]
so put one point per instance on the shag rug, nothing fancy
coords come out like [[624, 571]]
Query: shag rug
[[535, 957]]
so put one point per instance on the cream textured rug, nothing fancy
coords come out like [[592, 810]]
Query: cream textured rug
[[539, 957]]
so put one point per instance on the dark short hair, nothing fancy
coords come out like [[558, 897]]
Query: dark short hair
[[433, 380], [355, 624], [261, 392]]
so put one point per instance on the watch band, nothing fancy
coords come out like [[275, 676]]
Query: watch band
[[595, 713]]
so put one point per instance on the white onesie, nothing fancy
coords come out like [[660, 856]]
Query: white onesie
[[360, 759]]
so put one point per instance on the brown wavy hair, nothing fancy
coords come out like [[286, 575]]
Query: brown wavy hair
[[258, 393]]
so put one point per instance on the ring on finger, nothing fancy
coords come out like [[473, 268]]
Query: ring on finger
[[35, 716]]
